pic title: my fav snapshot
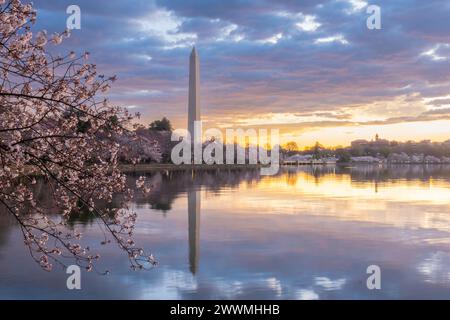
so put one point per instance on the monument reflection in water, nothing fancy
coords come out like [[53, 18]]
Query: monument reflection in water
[[194, 205]]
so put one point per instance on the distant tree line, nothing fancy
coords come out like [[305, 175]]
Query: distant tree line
[[375, 148]]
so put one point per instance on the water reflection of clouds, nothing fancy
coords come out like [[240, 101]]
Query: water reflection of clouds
[[328, 284], [306, 294], [267, 238], [436, 268]]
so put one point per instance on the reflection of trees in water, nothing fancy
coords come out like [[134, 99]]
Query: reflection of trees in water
[[167, 186], [6, 221], [364, 173], [41, 193], [315, 171], [400, 172]]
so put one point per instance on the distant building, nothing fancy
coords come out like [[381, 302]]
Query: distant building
[[377, 143], [360, 143], [380, 143]]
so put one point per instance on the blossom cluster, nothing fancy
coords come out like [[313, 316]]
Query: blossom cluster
[[53, 127]]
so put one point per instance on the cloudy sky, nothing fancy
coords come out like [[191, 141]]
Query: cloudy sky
[[310, 68]]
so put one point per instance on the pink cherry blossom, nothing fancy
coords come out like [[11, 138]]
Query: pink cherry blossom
[[56, 133]]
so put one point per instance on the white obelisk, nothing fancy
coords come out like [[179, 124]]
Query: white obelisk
[[194, 98]]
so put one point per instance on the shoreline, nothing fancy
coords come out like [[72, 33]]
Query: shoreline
[[381, 164], [155, 167]]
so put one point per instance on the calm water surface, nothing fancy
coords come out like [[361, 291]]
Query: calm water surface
[[307, 233]]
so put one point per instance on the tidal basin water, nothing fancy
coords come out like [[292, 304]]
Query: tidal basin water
[[307, 233]]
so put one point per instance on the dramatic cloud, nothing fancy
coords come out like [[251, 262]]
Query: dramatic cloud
[[295, 64]]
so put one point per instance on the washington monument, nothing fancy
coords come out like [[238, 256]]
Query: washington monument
[[194, 196], [194, 94]]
